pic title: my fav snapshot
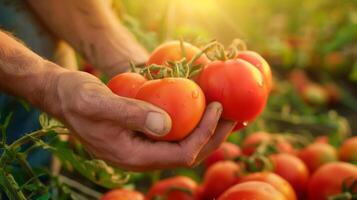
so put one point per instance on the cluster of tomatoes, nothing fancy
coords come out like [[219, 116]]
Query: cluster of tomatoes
[[180, 78], [256, 171]]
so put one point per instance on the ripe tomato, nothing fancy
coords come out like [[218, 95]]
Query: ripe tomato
[[348, 150], [226, 151], [175, 188], [293, 170], [252, 190], [237, 85], [317, 154], [253, 140], [181, 98], [171, 51], [328, 179], [275, 180], [126, 84], [322, 139], [122, 194], [259, 62], [219, 177]]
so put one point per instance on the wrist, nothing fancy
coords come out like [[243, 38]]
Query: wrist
[[44, 94]]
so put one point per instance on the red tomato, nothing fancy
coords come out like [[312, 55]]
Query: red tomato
[[171, 51], [317, 154], [293, 170], [259, 62], [253, 140], [126, 84], [219, 177], [348, 150], [176, 188], [122, 194], [226, 151], [275, 180], [181, 98], [328, 179], [237, 85], [252, 190], [322, 139]]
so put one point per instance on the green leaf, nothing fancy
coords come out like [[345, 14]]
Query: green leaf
[[44, 197], [96, 171]]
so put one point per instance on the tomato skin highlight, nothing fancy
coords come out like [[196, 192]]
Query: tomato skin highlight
[[293, 170], [317, 154], [328, 179], [226, 151], [171, 51], [348, 150], [219, 177], [126, 84], [122, 194], [275, 180], [167, 187], [237, 85], [252, 190], [259, 62], [181, 98]]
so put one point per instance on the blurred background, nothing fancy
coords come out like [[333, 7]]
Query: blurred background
[[311, 46]]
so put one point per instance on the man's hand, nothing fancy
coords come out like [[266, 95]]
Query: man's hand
[[111, 126]]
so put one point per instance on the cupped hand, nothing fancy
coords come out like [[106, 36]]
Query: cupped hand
[[111, 127]]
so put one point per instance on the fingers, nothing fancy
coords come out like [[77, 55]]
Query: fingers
[[224, 128], [137, 115], [160, 155]]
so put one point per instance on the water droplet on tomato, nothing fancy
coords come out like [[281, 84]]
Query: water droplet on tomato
[[245, 123], [195, 94]]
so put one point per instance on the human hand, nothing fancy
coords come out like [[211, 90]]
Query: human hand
[[111, 126]]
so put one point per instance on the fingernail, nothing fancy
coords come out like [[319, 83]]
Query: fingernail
[[157, 123]]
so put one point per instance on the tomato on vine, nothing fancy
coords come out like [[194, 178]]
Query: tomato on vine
[[252, 190], [122, 194], [181, 98], [175, 51], [237, 85], [329, 180], [273, 179], [126, 84], [175, 188]]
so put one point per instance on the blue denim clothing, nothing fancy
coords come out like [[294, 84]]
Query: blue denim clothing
[[17, 18]]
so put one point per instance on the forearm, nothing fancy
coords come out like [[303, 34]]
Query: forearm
[[92, 29], [23, 73]]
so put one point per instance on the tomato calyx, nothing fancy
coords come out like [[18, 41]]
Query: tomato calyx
[[180, 69], [255, 163], [223, 54], [348, 190]]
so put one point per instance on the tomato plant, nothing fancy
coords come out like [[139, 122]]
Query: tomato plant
[[219, 177], [226, 151], [293, 170], [252, 190], [237, 85], [275, 180], [181, 98], [126, 84], [348, 150], [328, 180], [122, 194], [175, 188], [317, 154], [172, 51]]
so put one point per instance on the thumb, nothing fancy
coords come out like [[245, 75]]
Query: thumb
[[138, 115]]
